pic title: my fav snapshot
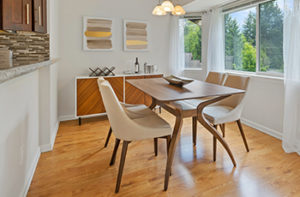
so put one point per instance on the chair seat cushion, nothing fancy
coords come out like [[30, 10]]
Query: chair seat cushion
[[157, 127], [138, 111], [217, 114], [182, 105], [195, 102]]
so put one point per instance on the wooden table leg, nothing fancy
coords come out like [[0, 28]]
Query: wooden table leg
[[194, 131], [211, 129], [174, 139], [153, 104]]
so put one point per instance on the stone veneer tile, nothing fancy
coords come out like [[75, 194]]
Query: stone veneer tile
[[26, 44]]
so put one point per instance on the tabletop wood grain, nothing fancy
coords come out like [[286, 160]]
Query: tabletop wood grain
[[161, 90]]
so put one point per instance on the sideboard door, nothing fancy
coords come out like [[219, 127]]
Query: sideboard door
[[89, 100]]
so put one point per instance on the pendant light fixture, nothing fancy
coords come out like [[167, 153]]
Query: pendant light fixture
[[168, 6], [159, 10]]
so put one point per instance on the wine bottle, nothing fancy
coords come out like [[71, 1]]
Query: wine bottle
[[136, 66]]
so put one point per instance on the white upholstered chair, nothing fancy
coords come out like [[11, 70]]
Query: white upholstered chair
[[129, 129], [133, 111], [229, 109]]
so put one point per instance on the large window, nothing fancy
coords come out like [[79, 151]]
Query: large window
[[192, 42], [255, 32]]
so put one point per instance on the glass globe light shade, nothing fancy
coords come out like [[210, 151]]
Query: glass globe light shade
[[159, 11], [168, 6], [178, 11]]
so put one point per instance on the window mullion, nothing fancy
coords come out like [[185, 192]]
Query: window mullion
[[257, 39]]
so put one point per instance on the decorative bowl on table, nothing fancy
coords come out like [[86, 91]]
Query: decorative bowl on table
[[177, 81]]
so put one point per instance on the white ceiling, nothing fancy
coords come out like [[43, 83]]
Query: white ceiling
[[201, 5], [182, 2]]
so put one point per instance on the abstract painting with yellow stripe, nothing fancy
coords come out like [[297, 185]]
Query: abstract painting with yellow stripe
[[135, 35], [97, 34]]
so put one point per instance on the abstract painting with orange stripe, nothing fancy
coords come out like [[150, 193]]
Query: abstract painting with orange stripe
[[97, 33], [136, 35]]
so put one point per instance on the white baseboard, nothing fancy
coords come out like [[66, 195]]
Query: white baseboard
[[54, 133], [45, 148], [66, 117], [49, 147], [30, 173], [266, 130]]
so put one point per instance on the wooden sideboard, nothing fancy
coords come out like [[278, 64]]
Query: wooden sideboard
[[88, 98]]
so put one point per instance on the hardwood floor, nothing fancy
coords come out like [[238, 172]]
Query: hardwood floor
[[79, 165]]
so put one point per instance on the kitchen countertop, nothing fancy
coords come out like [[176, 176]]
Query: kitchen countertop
[[23, 67]]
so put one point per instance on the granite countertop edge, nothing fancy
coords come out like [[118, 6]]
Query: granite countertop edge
[[12, 73]]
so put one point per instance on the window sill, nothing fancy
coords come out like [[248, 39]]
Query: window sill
[[257, 74], [193, 69]]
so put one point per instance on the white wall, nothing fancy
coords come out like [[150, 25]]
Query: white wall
[[28, 119], [75, 62], [19, 133], [264, 106], [48, 107]]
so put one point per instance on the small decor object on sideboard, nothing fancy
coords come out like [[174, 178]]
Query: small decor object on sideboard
[[136, 65], [97, 34], [102, 71]]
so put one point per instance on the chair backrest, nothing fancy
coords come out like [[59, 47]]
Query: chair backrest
[[238, 82], [119, 120], [215, 77]]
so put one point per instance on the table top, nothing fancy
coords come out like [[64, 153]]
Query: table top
[[161, 90]]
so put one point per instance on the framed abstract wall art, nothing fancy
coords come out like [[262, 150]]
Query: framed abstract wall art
[[136, 35], [97, 34]]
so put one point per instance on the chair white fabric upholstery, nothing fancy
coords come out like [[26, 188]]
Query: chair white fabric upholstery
[[133, 111], [137, 111], [130, 123], [215, 78], [126, 128], [229, 109]]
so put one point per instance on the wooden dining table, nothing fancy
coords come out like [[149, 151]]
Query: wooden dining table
[[164, 95]]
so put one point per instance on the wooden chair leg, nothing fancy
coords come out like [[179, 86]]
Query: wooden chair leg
[[222, 126], [121, 167], [194, 131], [168, 143], [243, 134], [113, 158], [108, 137], [215, 146], [155, 146]]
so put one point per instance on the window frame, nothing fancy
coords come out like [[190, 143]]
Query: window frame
[[199, 68], [257, 72]]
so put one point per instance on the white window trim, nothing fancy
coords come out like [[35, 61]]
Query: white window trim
[[255, 74], [258, 72], [193, 69]]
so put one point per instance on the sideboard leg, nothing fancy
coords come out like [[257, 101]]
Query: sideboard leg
[[79, 121]]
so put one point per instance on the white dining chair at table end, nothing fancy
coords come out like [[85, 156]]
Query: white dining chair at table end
[[133, 111], [130, 129]]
